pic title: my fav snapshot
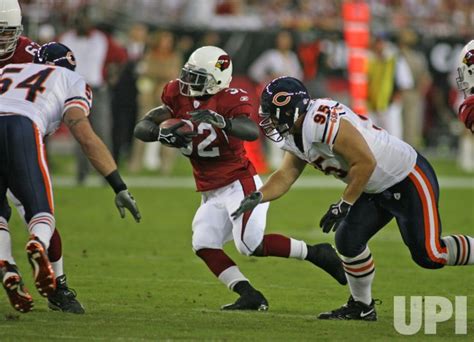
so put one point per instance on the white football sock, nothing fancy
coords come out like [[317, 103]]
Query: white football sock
[[5, 242], [42, 226], [298, 249], [231, 276], [460, 250], [58, 267], [360, 273]]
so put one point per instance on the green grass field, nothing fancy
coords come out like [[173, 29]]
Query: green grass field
[[143, 282]]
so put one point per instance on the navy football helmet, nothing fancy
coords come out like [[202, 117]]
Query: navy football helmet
[[55, 54], [282, 102]]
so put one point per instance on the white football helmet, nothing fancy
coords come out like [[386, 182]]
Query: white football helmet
[[207, 71], [10, 27], [465, 79]]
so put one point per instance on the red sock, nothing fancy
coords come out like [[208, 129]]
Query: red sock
[[215, 259], [276, 245]]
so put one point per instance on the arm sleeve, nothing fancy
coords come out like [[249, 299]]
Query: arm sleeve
[[79, 95], [243, 128], [146, 130]]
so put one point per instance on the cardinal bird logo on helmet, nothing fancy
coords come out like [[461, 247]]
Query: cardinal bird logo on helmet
[[469, 58], [223, 62]]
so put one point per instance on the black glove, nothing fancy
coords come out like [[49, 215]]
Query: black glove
[[125, 200], [336, 213], [211, 117], [248, 203], [173, 137]]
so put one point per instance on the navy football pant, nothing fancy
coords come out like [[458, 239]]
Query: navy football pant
[[413, 202], [23, 167]]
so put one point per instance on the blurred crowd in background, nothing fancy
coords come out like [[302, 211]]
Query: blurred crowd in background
[[431, 17], [127, 50]]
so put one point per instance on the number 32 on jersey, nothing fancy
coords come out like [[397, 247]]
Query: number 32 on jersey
[[203, 148]]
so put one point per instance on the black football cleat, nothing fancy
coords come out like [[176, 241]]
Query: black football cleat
[[352, 310], [324, 256], [253, 300], [64, 298], [43, 273], [17, 293]]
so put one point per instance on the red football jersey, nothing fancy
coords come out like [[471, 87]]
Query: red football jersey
[[24, 52], [217, 158], [466, 112]]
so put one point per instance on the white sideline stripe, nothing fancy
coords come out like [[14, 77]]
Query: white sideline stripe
[[188, 182]]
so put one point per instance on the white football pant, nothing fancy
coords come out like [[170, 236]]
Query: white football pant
[[213, 225]]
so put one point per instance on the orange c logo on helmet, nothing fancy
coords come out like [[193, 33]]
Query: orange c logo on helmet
[[281, 102]]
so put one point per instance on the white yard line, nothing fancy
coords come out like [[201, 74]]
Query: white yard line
[[188, 182]]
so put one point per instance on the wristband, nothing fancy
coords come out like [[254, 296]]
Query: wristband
[[116, 181]]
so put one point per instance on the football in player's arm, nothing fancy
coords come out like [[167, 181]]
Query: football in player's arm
[[385, 178], [219, 115], [148, 129]]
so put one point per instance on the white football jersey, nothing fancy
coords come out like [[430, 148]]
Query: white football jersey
[[43, 93], [395, 158]]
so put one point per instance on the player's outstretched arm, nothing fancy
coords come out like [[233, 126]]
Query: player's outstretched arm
[[354, 149], [282, 179], [147, 129], [276, 186], [100, 157], [240, 126]]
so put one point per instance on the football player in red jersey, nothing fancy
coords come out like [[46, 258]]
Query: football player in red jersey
[[223, 174], [15, 48], [465, 81]]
